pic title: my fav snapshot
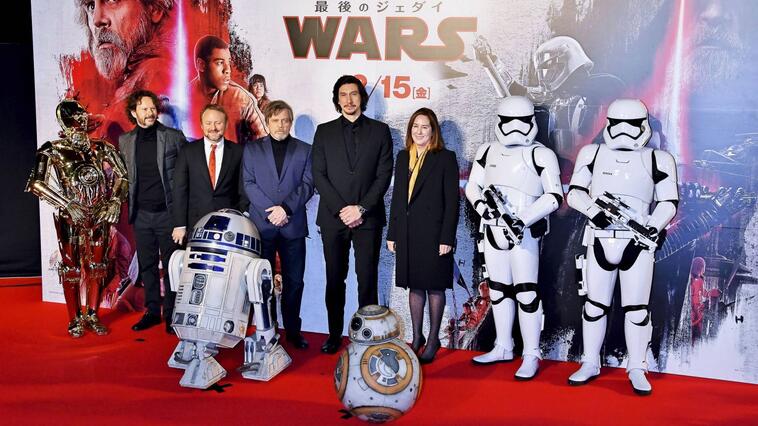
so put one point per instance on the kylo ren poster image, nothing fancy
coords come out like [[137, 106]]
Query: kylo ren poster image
[[689, 61]]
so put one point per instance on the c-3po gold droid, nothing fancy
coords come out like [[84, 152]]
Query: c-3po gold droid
[[86, 180]]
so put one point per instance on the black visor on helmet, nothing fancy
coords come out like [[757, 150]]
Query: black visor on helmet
[[636, 122], [633, 122], [527, 119]]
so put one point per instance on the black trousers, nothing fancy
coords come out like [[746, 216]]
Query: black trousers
[[152, 233], [366, 243], [292, 257]]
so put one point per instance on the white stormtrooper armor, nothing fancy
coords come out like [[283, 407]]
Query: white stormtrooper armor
[[634, 177], [526, 175], [216, 278]]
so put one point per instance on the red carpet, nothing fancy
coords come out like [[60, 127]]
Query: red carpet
[[122, 378]]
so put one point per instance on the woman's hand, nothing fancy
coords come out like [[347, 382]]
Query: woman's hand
[[391, 246], [444, 249]]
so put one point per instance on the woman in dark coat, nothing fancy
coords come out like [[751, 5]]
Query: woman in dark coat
[[422, 226]]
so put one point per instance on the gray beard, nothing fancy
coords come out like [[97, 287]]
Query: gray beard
[[111, 63], [710, 68]]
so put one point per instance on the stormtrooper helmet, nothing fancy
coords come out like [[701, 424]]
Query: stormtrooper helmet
[[627, 127], [516, 123]]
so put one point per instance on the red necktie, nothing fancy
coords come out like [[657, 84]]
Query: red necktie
[[212, 165]]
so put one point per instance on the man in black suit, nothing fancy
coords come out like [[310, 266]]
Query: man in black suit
[[207, 174], [149, 152], [352, 168]]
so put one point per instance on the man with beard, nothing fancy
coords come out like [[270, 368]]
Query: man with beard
[[718, 71], [213, 85], [127, 41], [720, 42], [150, 151]]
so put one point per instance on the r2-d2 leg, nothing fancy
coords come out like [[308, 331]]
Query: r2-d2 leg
[[182, 355], [201, 370], [264, 356]]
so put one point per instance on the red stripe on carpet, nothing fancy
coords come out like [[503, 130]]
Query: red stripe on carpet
[[123, 378]]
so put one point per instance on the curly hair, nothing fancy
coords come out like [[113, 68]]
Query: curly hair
[[134, 99]]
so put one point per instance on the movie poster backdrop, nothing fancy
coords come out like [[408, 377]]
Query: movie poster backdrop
[[690, 61]]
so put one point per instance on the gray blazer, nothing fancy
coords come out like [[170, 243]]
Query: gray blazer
[[169, 142]]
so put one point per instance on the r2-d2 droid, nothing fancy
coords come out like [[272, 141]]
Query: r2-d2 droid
[[216, 279], [629, 193], [378, 377]]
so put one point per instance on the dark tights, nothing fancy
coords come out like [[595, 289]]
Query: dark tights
[[417, 300]]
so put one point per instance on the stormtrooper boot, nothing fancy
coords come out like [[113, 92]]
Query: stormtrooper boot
[[639, 382], [504, 313], [586, 373], [530, 365], [498, 354], [530, 320]]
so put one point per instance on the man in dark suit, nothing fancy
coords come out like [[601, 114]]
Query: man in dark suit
[[207, 174], [276, 173], [150, 151], [352, 168]]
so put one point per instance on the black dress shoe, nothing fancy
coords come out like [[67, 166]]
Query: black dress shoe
[[430, 351], [417, 344], [332, 345], [297, 340], [148, 320]]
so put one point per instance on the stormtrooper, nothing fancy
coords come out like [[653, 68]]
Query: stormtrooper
[[614, 185], [85, 180], [514, 185], [567, 92], [216, 279]]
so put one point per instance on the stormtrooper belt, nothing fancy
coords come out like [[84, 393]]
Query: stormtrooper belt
[[612, 233]]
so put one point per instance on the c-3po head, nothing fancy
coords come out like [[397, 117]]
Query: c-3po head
[[73, 119]]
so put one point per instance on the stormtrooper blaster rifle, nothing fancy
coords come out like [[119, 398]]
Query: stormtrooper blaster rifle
[[495, 200], [619, 213]]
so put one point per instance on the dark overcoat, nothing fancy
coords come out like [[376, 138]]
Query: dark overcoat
[[430, 218]]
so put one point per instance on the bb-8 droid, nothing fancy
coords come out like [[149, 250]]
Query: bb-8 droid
[[378, 377]]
